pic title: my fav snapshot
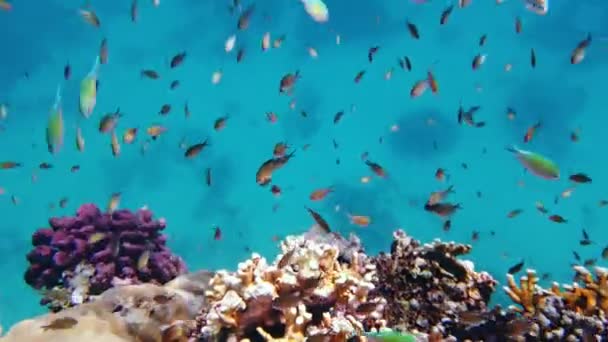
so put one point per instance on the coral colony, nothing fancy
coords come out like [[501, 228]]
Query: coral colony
[[92, 251], [123, 284]]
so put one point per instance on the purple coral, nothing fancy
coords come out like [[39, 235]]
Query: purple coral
[[112, 243]]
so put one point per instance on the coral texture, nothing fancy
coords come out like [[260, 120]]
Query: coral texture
[[427, 284], [88, 253], [309, 290]]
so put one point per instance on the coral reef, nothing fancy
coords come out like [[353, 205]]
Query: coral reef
[[89, 253], [309, 290], [427, 284], [528, 295], [144, 312]]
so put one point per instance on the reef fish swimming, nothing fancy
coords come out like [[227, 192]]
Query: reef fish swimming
[[54, 128], [536, 163], [88, 90], [317, 10]]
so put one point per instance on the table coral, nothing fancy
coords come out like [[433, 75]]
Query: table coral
[[89, 252], [427, 284], [309, 290]]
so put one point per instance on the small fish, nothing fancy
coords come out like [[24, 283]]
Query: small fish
[[288, 82], [419, 88], [478, 61], [134, 11], [96, 237], [245, 18], [359, 220], [585, 241], [178, 59], [464, 3], [482, 40], [445, 15], [578, 54], [405, 63], [605, 253], [440, 174], [208, 178], [155, 131], [79, 140], [174, 84], [143, 260], [541, 207], [187, 112], [513, 213], [338, 116], [90, 17], [114, 202], [413, 30], [263, 176], [390, 336], [67, 71], [55, 125], [580, 178], [103, 51], [230, 43], [518, 25], [240, 55], [359, 76], [109, 121], [447, 225], [88, 90], [129, 135], [536, 163], [516, 268], [194, 150], [276, 190], [532, 58], [320, 194], [217, 233], [376, 168], [165, 109], [60, 324], [443, 209], [280, 149], [45, 166], [149, 73], [220, 123], [115, 144], [371, 52], [439, 196], [319, 220], [540, 7], [531, 131], [317, 10], [557, 219]]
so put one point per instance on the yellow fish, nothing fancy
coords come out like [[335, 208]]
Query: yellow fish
[[88, 90], [317, 10], [54, 128]]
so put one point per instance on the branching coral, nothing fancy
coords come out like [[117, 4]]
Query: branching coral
[[592, 297], [307, 291], [528, 295], [427, 284], [92, 251]]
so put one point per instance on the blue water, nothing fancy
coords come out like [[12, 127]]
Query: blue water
[[39, 37]]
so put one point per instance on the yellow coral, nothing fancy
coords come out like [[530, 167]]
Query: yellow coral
[[590, 298], [528, 295]]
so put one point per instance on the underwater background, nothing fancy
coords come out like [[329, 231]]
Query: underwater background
[[40, 37]]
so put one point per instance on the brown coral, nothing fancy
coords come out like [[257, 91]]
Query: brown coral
[[528, 294], [427, 284], [592, 297]]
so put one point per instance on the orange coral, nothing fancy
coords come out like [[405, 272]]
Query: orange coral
[[528, 295], [589, 299]]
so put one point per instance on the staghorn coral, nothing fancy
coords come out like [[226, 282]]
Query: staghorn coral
[[528, 295], [427, 284], [592, 297], [88, 253], [307, 291]]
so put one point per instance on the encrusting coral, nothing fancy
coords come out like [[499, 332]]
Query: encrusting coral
[[309, 290], [89, 253], [427, 284]]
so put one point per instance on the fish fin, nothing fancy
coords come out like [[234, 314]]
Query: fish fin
[[95, 68]]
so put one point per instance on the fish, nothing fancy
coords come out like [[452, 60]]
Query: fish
[[578, 54], [478, 61], [55, 126], [439, 196], [445, 15], [134, 11], [115, 144], [60, 324], [518, 25], [178, 59], [103, 51], [442, 209], [389, 336], [90, 17], [376, 168], [317, 10], [580, 178], [320, 194], [263, 176], [412, 29], [371, 52], [88, 90], [540, 7], [149, 73], [323, 225], [359, 220], [245, 18], [143, 260], [530, 132], [129, 135], [537, 164], [516, 268], [532, 58], [194, 150], [108, 122], [288, 82], [114, 202]]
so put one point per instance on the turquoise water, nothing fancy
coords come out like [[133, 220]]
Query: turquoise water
[[40, 37]]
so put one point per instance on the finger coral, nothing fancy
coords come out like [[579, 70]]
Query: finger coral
[[88, 253], [528, 295], [428, 285], [307, 291]]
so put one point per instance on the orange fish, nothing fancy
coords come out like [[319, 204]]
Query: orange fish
[[557, 219], [440, 174], [264, 174], [129, 136], [195, 149], [103, 51], [9, 165], [432, 82], [530, 132], [288, 82], [439, 196], [220, 123], [320, 194], [155, 131], [419, 88], [376, 168], [359, 220], [280, 149], [115, 144]]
